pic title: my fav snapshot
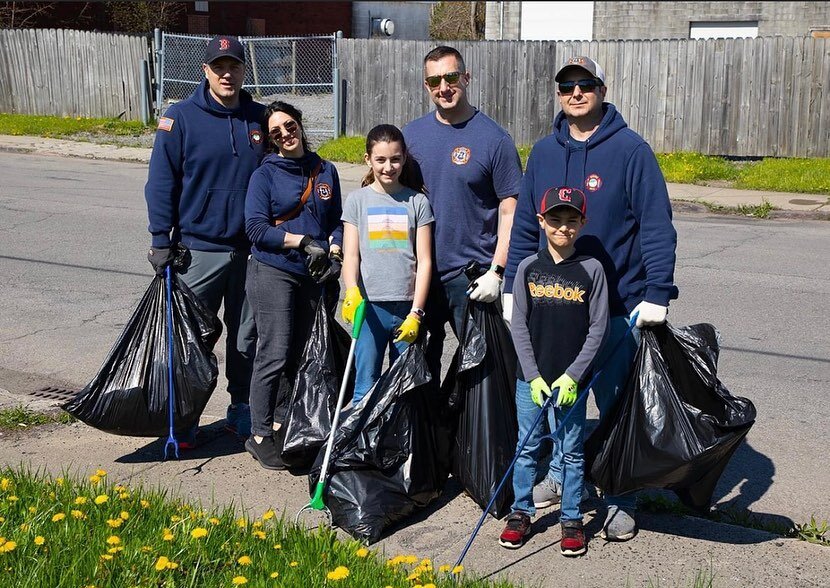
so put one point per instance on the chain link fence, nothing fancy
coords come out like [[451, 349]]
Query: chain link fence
[[299, 70]]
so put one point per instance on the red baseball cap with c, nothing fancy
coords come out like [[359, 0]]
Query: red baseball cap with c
[[563, 196]]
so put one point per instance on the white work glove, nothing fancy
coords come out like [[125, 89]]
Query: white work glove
[[650, 314], [486, 288], [507, 307]]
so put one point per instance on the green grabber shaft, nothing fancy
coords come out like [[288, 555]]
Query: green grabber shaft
[[317, 500]]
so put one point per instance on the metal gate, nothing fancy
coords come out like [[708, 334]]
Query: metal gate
[[299, 70]]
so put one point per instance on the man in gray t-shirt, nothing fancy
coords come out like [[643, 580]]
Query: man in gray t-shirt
[[387, 224]]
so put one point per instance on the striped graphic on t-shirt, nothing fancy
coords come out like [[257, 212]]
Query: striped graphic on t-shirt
[[388, 227]]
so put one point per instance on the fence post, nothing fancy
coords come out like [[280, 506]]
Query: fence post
[[335, 79], [254, 70], [146, 93], [159, 63], [294, 67]]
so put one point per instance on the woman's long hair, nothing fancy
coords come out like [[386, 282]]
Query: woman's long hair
[[293, 112], [410, 174]]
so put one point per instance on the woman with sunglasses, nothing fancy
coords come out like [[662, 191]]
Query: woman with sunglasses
[[292, 217]]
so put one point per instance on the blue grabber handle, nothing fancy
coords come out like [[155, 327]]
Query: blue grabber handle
[[171, 387]]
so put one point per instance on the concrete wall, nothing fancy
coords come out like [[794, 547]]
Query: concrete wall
[[670, 20], [411, 18]]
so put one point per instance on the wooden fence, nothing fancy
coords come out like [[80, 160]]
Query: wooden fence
[[768, 96], [71, 73]]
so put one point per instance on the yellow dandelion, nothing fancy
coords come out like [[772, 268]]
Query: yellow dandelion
[[213, 521], [457, 569], [106, 556], [338, 573], [77, 514], [2, 519], [241, 523], [119, 488], [244, 560], [80, 500], [239, 580], [430, 585], [274, 575], [124, 515], [32, 509], [278, 546], [161, 563], [124, 496], [100, 473], [410, 559], [172, 565], [52, 496], [413, 576], [113, 540], [259, 534], [58, 481], [444, 568], [13, 498], [5, 484], [199, 532], [268, 515], [115, 549], [115, 523], [94, 479], [362, 552], [24, 527], [167, 535], [57, 517], [40, 540], [101, 499], [146, 549], [8, 546], [145, 504], [175, 519], [294, 564]]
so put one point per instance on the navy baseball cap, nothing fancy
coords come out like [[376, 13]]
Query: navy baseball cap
[[563, 196], [224, 46]]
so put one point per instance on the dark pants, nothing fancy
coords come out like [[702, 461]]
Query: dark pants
[[217, 277], [284, 305], [446, 302]]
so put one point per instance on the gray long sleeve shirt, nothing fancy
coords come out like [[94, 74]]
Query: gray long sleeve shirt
[[560, 316]]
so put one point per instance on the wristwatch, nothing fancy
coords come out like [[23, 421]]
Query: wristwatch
[[419, 312], [497, 269]]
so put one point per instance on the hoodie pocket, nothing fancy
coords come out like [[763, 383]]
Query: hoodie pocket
[[222, 215]]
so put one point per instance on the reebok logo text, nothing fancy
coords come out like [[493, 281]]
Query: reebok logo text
[[556, 291]]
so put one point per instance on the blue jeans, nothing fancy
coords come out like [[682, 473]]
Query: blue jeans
[[616, 362], [571, 438], [381, 321], [446, 302]]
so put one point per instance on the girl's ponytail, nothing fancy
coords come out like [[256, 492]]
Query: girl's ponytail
[[410, 174]]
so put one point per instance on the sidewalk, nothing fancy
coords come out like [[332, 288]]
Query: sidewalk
[[688, 197]]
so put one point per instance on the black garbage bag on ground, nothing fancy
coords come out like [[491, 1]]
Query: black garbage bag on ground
[[314, 398], [675, 426], [384, 464], [484, 394], [129, 395]]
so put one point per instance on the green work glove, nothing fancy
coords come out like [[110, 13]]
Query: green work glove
[[567, 390], [539, 389]]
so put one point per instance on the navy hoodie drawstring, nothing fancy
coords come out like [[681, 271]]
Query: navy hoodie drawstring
[[230, 130]]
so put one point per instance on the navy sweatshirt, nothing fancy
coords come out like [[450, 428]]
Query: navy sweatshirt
[[629, 228], [560, 316], [275, 190], [203, 157]]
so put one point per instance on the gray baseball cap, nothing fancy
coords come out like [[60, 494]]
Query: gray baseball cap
[[581, 62]]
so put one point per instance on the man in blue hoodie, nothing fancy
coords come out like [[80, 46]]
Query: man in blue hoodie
[[205, 150], [629, 230]]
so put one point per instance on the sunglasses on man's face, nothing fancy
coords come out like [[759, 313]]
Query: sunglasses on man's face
[[567, 88], [451, 78], [290, 128]]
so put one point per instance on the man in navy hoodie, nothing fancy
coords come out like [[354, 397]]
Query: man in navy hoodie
[[629, 230], [205, 150]]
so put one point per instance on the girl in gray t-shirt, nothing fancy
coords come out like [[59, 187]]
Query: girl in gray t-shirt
[[387, 255]]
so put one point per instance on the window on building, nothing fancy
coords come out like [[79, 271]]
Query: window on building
[[198, 24], [723, 30], [820, 32], [201, 6]]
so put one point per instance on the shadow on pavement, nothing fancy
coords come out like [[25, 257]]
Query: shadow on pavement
[[213, 441], [749, 471]]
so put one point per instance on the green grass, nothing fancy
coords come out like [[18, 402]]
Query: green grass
[[762, 210], [18, 417], [345, 149], [691, 168], [56, 126], [95, 532], [805, 176]]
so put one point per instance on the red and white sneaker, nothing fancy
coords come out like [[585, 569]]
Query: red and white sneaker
[[516, 531], [573, 539]]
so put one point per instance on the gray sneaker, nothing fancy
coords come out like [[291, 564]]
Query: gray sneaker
[[619, 525], [547, 493]]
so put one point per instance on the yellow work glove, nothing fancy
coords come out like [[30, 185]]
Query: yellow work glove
[[408, 331], [567, 390], [350, 303], [539, 389]]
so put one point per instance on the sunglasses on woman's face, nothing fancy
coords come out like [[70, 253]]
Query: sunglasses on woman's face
[[289, 128], [451, 78], [567, 88]]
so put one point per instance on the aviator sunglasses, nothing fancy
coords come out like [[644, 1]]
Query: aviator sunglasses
[[451, 78], [290, 128], [566, 88]]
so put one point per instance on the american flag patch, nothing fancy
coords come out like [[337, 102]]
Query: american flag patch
[[165, 124]]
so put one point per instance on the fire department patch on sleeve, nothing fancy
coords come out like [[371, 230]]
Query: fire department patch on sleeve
[[165, 124]]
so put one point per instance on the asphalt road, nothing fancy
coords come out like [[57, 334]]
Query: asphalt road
[[73, 241]]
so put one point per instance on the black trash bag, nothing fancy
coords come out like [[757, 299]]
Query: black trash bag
[[314, 398], [129, 395], [384, 464], [676, 426], [484, 394]]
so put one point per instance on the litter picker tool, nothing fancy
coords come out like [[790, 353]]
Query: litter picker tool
[[317, 503], [171, 386], [550, 400]]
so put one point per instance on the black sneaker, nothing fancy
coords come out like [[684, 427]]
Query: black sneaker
[[266, 453], [516, 531], [573, 539]]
